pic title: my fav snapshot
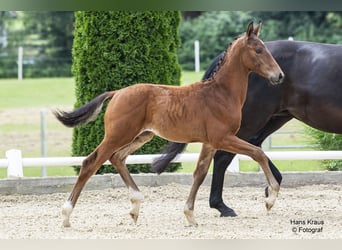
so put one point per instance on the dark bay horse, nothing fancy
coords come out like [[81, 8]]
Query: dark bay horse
[[311, 92], [207, 112]]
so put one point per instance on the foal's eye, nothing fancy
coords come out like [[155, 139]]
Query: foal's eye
[[258, 51]]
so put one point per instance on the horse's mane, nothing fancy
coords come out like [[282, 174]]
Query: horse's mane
[[221, 60]]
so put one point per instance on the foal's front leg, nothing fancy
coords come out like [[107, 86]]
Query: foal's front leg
[[236, 145], [203, 163]]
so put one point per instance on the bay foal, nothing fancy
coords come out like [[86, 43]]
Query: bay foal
[[207, 112]]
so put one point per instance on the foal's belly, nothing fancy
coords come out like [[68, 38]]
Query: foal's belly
[[181, 135]]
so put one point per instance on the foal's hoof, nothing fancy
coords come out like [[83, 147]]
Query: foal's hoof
[[193, 224], [268, 206], [66, 224], [271, 196], [189, 214], [134, 217]]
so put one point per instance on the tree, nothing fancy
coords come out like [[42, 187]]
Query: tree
[[216, 29], [114, 49], [47, 40], [316, 26], [50, 36], [8, 48], [55, 27], [3, 39]]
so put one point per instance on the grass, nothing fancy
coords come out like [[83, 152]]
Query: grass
[[42, 93], [189, 77], [20, 106], [22, 101]]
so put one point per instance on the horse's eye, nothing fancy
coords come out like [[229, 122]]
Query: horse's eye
[[258, 51]]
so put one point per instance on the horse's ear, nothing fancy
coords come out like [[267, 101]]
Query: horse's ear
[[249, 29], [257, 29]]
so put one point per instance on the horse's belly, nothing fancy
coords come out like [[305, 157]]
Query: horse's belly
[[324, 117]]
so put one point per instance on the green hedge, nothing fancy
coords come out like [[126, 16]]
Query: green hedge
[[114, 49], [327, 141]]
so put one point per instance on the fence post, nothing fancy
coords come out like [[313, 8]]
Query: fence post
[[15, 165], [234, 165], [197, 56], [43, 138], [20, 63]]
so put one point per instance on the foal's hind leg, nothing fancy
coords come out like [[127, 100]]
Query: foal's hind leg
[[118, 161], [89, 167], [200, 173]]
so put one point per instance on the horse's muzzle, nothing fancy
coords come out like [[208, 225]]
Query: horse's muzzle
[[278, 79]]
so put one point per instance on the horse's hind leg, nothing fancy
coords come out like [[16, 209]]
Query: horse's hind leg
[[118, 161], [89, 167], [200, 173]]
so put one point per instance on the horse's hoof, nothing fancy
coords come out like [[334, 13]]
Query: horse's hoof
[[228, 213], [224, 210]]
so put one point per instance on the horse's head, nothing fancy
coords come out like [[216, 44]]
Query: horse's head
[[257, 57]]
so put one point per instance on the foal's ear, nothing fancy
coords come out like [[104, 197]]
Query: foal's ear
[[249, 29], [257, 29]]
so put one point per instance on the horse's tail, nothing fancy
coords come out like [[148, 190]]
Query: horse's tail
[[159, 165], [84, 114]]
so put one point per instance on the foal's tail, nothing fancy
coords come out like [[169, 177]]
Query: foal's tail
[[84, 114]]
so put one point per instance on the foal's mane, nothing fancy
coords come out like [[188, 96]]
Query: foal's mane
[[222, 60]]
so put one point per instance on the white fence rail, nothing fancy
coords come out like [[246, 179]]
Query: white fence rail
[[15, 163]]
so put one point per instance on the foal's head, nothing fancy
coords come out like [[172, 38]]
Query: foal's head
[[257, 58]]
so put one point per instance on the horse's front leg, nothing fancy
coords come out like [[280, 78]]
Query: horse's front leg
[[200, 173]]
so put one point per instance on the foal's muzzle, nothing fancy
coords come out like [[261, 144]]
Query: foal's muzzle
[[277, 79]]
